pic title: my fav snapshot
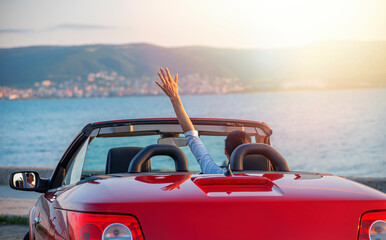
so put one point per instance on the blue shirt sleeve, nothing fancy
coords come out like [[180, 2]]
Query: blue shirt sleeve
[[201, 154]]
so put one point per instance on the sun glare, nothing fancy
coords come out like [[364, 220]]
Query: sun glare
[[284, 23], [215, 23]]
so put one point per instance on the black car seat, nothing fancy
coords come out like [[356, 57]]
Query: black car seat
[[118, 160], [257, 162]]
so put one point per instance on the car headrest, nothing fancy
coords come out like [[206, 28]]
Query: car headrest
[[150, 151], [257, 162], [118, 160]]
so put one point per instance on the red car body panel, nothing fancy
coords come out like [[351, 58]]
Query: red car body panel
[[247, 205], [296, 206]]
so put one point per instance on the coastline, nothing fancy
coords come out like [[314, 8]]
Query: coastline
[[253, 91]]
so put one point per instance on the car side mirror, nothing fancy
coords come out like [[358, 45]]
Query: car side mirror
[[28, 181]]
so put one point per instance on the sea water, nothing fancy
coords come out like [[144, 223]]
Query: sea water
[[342, 132]]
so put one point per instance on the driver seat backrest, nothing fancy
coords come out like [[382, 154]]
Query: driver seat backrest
[[257, 162], [118, 160]]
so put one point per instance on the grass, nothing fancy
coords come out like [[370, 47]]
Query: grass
[[13, 219]]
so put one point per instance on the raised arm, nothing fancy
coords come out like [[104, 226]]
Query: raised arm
[[170, 87]]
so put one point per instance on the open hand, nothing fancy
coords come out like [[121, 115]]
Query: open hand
[[170, 86]]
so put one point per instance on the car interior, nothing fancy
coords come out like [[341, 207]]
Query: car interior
[[112, 150], [118, 158]]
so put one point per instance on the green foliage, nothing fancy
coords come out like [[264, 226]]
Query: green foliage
[[13, 219]]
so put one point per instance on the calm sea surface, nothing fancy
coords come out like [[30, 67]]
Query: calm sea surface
[[339, 131]]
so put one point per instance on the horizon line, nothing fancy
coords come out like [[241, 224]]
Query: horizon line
[[194, 46]]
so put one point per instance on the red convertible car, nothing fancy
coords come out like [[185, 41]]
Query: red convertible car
[[137, 179]]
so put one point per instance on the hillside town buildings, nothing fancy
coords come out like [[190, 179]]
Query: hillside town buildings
[[104, 84]]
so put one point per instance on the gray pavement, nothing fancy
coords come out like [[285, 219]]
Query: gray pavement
[[8, 192], [15, 202], [12, 232]]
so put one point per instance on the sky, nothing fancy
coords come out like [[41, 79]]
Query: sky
[[175, 23]]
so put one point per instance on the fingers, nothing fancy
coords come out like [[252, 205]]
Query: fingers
[[163, 89], [160, 85], [162, 79], [169, 77], [163, 74]]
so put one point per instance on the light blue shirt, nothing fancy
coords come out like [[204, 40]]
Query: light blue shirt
[[201, 154]]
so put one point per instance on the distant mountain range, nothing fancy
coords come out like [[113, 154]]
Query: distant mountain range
[[329, 63]]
